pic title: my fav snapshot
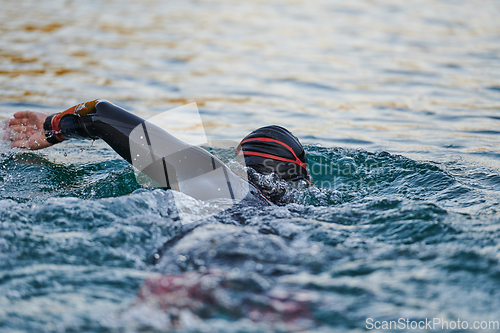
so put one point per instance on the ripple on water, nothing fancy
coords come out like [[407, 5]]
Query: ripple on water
[[407, 227], [343, 251]]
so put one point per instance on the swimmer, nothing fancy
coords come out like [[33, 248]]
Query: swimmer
[[169, 161]]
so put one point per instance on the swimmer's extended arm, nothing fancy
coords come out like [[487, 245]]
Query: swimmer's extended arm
[[94, 120], [170, 162], [35, 130]]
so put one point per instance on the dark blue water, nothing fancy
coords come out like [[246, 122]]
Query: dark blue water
[[398, 105], [389, 237]]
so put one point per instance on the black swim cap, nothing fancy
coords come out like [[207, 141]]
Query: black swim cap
[[274, 149]]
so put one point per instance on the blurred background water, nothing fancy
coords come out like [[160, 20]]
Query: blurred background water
[[397, 101]]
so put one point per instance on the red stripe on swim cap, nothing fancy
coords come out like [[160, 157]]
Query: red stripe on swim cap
[[274, 157]]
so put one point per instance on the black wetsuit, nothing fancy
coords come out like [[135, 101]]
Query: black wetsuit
[[170, 162]]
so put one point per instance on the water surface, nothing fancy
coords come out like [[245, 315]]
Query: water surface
[[398, 104]]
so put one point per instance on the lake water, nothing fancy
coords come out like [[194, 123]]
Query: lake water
[[397, 102]]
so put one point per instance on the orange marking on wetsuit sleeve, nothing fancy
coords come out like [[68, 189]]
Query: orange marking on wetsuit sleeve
[[273, 157], [82, 109]]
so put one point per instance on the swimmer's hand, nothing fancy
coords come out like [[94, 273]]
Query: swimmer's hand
[[25, 130]]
